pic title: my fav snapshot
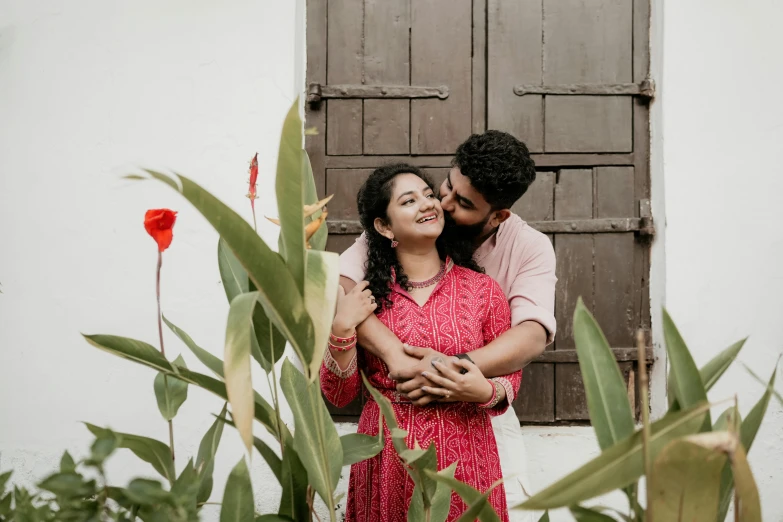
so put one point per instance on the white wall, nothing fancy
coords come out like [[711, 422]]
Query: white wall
[[95, 88], [723, 181], [91, 90]]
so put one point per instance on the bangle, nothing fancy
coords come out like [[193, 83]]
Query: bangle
[[342, 348], [495, 399], [342, 340]]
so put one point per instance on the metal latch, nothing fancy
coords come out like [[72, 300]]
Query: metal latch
[[316, 92], [644, 90]]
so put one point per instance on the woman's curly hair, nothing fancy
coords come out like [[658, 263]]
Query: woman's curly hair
[[373, 201]]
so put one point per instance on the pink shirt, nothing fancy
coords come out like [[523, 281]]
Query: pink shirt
[[520, 258]]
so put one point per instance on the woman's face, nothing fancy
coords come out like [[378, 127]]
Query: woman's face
[[414, 212]]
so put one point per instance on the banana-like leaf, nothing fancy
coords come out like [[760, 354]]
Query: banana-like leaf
[[170, 393], [290, 196], [607, 396], [544, 517], [469, 494], [269, 341], [205, 461], [206, 358], [238, 504], [146, 355], [278, 292], [710, 372], [323, 277], [358, 446], [318, 241], [232, 273], [747, 491], [239, 384], [476, 509], [293, 479], [582, 514], [618, 466], [148, 450], [315, 437], [727, 419], [748, 430], [686, 481], [684, 375], [270, 457]]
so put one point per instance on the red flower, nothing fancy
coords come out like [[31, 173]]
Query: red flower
[[158, 223], [251, 191]]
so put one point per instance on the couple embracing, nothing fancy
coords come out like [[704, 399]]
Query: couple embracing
[[443, 300]]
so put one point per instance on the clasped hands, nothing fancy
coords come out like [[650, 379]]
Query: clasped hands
[[425, 375]]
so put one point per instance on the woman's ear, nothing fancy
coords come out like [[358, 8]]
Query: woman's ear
[[383, 229]]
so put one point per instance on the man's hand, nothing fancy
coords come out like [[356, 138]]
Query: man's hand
[[410, 377]]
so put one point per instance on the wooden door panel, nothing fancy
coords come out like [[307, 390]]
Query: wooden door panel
[[344, 66], [538, 203], [387, 62], [514, 48], [344, 184], [589, 124], [441, 54]]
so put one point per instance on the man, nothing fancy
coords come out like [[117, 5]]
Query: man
[[489, 173]]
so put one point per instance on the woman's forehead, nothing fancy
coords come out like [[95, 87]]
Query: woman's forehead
[[408, 182]]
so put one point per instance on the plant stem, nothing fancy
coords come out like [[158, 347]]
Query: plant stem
[[643, 390], [162, 349]]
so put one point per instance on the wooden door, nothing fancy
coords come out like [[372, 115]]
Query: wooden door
[[409, 80]]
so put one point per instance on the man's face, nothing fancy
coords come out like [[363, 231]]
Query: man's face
[[464, 206]]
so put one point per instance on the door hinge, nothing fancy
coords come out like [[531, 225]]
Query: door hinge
[[317, 92], [644, 90]]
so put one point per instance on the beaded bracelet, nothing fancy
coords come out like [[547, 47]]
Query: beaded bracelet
[[342, 348], [342, 340], [495, 399]]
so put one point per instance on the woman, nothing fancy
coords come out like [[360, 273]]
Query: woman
[[429, 294]]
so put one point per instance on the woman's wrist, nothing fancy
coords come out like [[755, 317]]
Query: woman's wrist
[[342, 330], [488, 392]]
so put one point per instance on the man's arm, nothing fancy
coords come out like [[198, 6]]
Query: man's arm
[[377, 339]]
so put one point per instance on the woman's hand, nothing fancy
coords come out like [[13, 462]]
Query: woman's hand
[[453, 386], [352, 308]]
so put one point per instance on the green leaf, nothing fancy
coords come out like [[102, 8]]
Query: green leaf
[[686, 480], [747, 491], [358, 447], [206, 358], [185, 490], [607, 396], [469, 494], [618, 466], [170, 393], [239, 384], [147, 492], [290, 196], [315, 437], [236, 282], [748, 430], [119, 346], [273, 518], [582, 514], [148, 450], [278, 292], [684, 376], [5, 504], [722, 424], [544, 517], [293, 479], [710, 372], [759, 379], [104, 445], [270, 457], [318, 240], [238, 504], [441, 500], [66, 464], [232, 273], [323, 277], [205, 460], [269, 341], [475, 509], [68, 484]]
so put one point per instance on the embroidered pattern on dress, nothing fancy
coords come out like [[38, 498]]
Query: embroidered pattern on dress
[[333, 367]]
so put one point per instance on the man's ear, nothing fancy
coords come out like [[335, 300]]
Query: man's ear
[[383, 229], [499, 216]]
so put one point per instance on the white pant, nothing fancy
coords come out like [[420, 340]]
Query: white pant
[[513, 463]]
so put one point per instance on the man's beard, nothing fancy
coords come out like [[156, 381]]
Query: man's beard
[[452, 230]]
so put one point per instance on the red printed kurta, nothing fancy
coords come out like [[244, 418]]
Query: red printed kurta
[[466, 311]]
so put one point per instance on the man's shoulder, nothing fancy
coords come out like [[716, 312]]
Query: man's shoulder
[[517, 235]]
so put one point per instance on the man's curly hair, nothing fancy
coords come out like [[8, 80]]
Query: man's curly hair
[[372, 201], [498, 165]]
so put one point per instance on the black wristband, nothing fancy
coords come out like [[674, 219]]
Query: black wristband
[[463, 371]]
